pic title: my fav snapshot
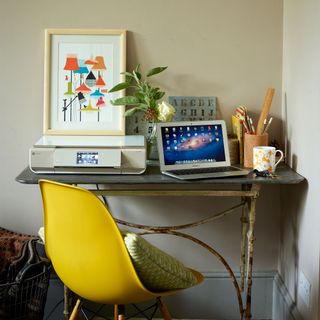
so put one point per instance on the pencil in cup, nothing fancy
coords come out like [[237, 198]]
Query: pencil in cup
[[251, 141]]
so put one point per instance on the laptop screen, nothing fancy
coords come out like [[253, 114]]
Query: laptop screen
[[192, 144]]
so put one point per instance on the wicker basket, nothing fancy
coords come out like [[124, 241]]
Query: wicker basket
[[25, 300]]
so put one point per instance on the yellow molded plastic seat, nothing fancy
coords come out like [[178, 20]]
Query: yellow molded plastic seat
[[87, 249]]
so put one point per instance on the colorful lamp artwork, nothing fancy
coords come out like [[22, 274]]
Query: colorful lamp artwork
[[85, 82], [81, 98], [82, 101], [100, 82], [71, 63], [96, 94], [83, 88], [100, 102], [89, 108], [100, 65], [91, 79], [83, 69]]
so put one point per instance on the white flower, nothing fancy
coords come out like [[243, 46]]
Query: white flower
[[166, 111]]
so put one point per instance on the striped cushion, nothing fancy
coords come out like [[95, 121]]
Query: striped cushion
[[157, 270]]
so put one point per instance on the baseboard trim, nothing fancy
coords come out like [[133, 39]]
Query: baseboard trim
[[284, 306], [215, 298]]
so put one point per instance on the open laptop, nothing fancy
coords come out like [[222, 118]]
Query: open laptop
[[195, 150]]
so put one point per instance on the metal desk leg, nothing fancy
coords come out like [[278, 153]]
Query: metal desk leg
[[244, 226], [252, 218]]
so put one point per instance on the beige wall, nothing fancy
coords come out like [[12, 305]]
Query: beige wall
[[231, 49], [300, 217]]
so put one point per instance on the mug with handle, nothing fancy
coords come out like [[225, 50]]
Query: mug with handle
[[264, 158]]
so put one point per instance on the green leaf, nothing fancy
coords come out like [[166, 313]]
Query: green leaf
[[155, 71], [143, 106], [127, 74], [128, 100], [153, 91], [159, 95], [120, 86], [131, 111], [137, 75], [140, 95], [147, 100], [137, 68]]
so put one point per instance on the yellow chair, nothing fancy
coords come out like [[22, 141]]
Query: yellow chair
[[87, 249]]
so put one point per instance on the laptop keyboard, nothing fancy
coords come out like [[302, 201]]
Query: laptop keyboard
[[203, 170]]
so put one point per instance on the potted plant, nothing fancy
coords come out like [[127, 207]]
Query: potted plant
[[144, 97]]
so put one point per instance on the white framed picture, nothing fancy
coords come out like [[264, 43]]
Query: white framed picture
[[80, 67]]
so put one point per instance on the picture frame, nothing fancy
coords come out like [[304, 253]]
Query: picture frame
[[80, 66]]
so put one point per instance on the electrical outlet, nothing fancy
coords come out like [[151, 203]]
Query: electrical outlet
[[304, 288]]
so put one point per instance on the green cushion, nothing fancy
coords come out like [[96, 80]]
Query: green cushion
[[157, 270]]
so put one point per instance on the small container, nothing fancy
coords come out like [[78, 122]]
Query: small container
[[251, 141], [234, 150]]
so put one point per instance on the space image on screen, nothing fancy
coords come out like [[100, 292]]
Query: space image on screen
[[192, 144]]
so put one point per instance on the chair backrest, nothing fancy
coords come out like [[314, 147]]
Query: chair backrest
[[86, 247]]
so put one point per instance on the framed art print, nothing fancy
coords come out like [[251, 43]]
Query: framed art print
[[80, 67]]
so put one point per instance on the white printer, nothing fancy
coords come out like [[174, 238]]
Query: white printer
[[89, 155]]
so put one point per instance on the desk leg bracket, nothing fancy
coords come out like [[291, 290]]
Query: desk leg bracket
[[172, 230]]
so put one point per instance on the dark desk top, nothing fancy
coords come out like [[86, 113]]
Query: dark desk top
[[153, 176]]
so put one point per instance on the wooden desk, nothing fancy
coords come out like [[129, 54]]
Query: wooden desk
[[153, 183]]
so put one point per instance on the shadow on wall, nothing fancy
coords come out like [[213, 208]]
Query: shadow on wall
[[293, 199]]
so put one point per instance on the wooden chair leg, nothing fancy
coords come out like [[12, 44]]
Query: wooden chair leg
[[75, 310], [115, 312], [163, 309], [119, 312]]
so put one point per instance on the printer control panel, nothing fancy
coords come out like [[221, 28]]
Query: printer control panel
[[87, 158]]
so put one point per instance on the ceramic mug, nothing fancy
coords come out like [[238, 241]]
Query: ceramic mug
[[264, 158]]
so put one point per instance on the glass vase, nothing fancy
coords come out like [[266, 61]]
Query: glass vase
[[152, 148]]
